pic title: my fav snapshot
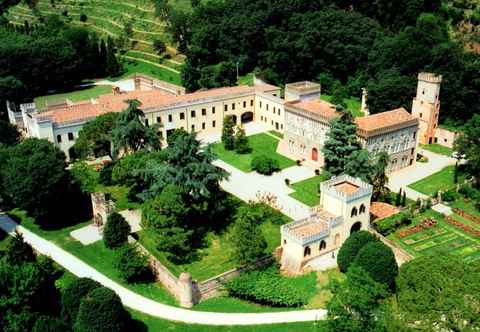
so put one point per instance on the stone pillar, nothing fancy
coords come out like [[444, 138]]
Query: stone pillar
[[186, 290]]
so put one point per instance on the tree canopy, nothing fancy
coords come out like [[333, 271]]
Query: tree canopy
[[468, 143], [95, 137], [350, 248]]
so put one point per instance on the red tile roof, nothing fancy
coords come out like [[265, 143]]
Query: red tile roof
[[372, 123], [315, 106], [381, 210]]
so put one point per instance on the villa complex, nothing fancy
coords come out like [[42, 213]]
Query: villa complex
[[301, 116]]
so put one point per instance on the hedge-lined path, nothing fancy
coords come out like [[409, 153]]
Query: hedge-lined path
[[147, 306]]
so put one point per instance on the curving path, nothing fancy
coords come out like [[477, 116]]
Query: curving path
[[147, 306]]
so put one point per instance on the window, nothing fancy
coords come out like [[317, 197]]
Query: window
[[244, 104], [213, 124], [323, 245], [213, 110], [284, 241], [192, 114], [225, 108], [414, 134], [233, 106], [354, 212], [260, 104], [306, 251], [412, 151], [170, 117], [267, 107], [59, 138], [362, 209], [159, 119], [281, 126], [182, 116], [193, 127], [203, 125], [160, 134], [204, 111], [278, 111], [273, 109], [420, 115], [251, 102], [261, 118], [423, 91], [70, 136], [146, 122]]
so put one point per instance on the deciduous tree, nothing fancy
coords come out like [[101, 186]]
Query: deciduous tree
[[468, 143], [350, 248], [95, 137]]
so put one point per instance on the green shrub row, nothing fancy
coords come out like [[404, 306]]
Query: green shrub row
[[268, 287]]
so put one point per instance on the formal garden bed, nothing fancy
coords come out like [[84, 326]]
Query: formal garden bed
[[261, 145], [430, 232], [308, 191]]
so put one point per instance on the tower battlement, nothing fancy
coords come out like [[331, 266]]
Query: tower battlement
[[430, 77]]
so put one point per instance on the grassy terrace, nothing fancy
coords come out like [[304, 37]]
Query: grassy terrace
[[215, 258], [353, 104], [78, 95], [261, 144], [437, 148], [308, 191], [442, 180]]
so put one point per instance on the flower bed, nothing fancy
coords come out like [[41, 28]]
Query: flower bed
[[467, 229], [466, 215], [426, 223]]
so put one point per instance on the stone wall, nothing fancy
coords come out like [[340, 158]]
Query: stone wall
[[445, 137]]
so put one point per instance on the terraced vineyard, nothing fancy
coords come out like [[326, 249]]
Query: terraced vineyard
[[110, 17]]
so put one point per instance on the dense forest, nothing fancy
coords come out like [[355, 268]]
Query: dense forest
[[50, 56], [344, 44]]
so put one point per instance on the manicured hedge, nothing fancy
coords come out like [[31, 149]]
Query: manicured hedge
[[268, 287], [351, 247], [379, 262]]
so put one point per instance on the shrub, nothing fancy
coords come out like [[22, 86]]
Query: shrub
[[49, 324], [159, 46], [73, 295], [116, 231], [378, 261], [83, 18], [268, 287], [105, 176], [449, 196], [265, 165], [351, 247], [299, 162], [132, 264], [468, 191], [317, 171], [287, 182], [18, 251], [101, 311]]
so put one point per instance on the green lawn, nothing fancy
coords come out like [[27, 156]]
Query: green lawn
[[131, 67], [80, 94], [442, 180], [153, 324], [261, 144], [353, 104], [276, 133], [437, 148], [308, 191]]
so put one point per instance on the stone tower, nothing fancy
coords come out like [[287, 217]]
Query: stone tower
[[426, 106]]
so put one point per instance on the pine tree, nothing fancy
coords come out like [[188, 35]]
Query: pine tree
[[248, 240], [358, 165], [455, 173], [112, 67], [404, 199], [241, 141], [341, 142], [228, 138], [102, 55], [398, 198]]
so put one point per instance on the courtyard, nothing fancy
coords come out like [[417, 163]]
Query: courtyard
[[261, 144]]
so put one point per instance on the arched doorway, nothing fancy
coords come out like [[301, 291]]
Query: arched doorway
[[356, 227], [314, 154], [247, 117]]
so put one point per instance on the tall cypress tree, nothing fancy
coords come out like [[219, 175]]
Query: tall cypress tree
[[228, 138], [112, 67], [102, 55], [341, 142]]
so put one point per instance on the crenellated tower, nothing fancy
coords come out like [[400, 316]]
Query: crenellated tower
[[426, 106]]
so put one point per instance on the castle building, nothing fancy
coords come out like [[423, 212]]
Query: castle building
[[426, 106], [301, 116], [313, 242], [307, 123]]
